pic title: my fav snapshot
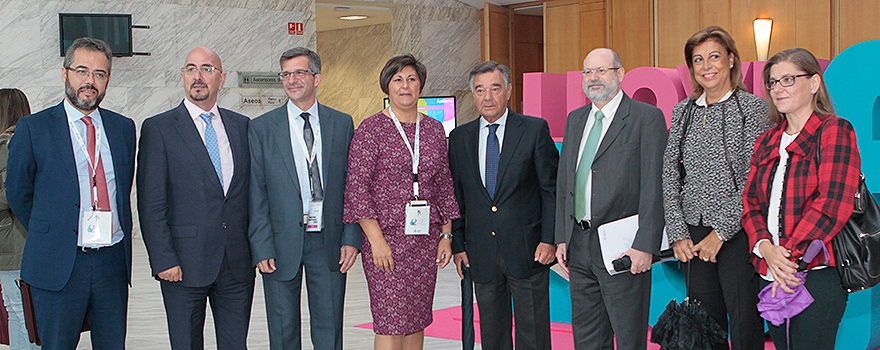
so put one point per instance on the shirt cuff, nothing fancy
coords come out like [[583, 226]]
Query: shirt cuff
[[755, 249]]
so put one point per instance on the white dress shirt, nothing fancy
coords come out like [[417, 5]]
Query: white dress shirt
[[300, 154], [226, 164], [609, 110], [81, 157], [484, 135]]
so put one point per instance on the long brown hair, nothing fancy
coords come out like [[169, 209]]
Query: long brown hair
[[805, 61], [719, 35], [13, 105]]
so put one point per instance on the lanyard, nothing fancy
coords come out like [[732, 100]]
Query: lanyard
[[93, 171], [414, 151], [302, 143]]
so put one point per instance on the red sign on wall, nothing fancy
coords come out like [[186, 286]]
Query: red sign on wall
[[294, 28]]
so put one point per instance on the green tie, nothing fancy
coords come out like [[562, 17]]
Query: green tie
[[583, 169]]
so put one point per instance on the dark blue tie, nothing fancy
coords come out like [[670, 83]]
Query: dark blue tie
[[492, 154]]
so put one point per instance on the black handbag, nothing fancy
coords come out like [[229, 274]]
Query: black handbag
[[857, 246]]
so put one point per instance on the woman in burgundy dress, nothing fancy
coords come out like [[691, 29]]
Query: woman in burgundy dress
[[383, 180]]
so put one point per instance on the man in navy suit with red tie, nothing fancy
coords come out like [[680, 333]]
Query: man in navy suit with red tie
[[68, 181], [192, 182]]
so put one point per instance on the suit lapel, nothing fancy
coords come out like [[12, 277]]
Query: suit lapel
[[282, 138], [512, 135], [472, 153], [61, 131], [328, 129], [616, 126], [574, 139], [186, 128], [116, 142]]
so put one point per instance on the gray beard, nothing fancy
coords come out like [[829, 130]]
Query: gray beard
[[83, 104], [602, 96]]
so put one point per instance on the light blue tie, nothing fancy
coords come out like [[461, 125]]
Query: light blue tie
[[211, 144], [492, 155], [583, 169]]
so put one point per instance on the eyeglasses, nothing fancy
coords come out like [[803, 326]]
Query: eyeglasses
[[785, 81], [85, 73], [600, 70], [299, 74], [206, 70]]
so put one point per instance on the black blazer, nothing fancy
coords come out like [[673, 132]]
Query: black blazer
[[522, 213], [626, 174], [43, 190], [185, 218]]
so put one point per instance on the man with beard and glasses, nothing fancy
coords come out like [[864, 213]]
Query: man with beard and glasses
[[609, 170], [68, 181], [299, 155], [192, 199]]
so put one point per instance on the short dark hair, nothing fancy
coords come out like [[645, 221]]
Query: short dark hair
[[805, 61], [488, 67], [314, 59], [13, 105], [395, 64], [90, 44], [720, 36]]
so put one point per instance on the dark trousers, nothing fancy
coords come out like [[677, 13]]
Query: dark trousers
[[230, 305], [602, 305], [531, 309], [726, 288], [98, 286], [815, 328], [326, 290]]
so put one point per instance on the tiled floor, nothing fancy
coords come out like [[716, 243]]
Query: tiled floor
[[147, 329]]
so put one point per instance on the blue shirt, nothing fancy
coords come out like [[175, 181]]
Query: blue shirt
[[74, 118]]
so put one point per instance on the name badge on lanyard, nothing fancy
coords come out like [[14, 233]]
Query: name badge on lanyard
[[418, 212], [96, 225], [315, 217]]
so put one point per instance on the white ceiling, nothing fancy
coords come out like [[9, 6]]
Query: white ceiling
[[328, 14]]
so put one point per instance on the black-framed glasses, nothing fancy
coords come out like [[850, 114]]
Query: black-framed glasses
[[600, 70], [206, 70], [785, 81], [299, 74], [85, 73]]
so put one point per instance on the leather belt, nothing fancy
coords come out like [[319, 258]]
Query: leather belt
[[583, 224]]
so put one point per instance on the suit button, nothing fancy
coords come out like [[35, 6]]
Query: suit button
[[494, 208], [493, 233], [223, 225], [77, 205], [76, 233], [300, 224]]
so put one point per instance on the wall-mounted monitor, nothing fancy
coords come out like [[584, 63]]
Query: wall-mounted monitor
[[113, 29], [441, 108]]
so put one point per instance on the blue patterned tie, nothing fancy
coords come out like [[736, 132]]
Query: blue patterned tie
[[583, 169], [211, 144], [492, 154]]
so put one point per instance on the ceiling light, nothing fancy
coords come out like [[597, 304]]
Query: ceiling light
[[352, 17]]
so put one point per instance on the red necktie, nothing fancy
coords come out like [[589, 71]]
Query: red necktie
[[99, 181]]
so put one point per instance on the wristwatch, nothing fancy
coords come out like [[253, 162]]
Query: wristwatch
[[447, 235]]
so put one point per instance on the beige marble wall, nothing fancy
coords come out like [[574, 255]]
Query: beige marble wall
[[249, 35], [352, 60]]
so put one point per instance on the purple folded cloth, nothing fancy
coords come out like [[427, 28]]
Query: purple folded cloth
[[785, 305]]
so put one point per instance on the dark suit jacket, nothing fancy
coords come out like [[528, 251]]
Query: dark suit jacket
[[43, 190], [185, 217], [276, 229], [626, 174], [522, 213]]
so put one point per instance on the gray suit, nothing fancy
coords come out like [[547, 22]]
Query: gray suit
[[626, 181], [277, 230]]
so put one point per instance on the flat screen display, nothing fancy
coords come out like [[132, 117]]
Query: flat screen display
[[441, 108], [113, 29]]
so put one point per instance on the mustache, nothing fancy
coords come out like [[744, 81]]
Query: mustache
[[87, 87], [596, 83], [198, 83]]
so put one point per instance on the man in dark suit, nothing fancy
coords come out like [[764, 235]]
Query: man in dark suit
[[68, 181], [192, 199], [610, 169], [504, 170], [299, 157]]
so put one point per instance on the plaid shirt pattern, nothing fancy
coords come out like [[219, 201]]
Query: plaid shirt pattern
[[817, 199]]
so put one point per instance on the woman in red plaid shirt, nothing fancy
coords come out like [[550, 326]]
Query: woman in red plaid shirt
[[791, 199]]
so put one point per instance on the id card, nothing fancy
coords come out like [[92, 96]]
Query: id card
[[96, 228], [315, 221], [418, 218]]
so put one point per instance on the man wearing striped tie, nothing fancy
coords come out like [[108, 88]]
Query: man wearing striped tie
[[192, 199], [609, 170], [504, 172]]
